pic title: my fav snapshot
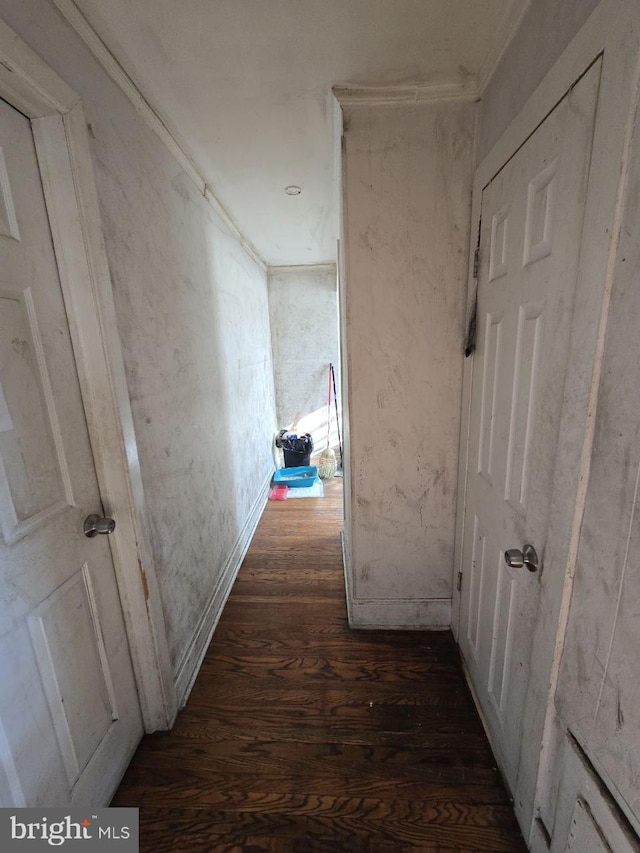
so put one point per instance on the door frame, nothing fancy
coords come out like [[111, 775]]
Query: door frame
[[608, 32], [63, 149]]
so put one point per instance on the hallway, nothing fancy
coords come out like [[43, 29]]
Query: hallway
[[303, 735]]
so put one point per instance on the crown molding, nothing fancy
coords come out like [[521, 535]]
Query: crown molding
[[278, 269], [231, 226], [505, 32], [176, 146], [28, 82], [411, 93]]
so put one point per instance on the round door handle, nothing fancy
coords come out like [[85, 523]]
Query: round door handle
[[94, 524], [516, 559]]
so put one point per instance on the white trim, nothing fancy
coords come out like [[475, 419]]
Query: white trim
[[401, 614], [192, 660], [461, 494], [27, 83], [7, 196], [411, 93], [106, 786], [606, 201], [329, 266], [231, 226], [577, 57], [72, 14], [346, 568], [64, 157], [170, 138], [8, 765], [503, 38]]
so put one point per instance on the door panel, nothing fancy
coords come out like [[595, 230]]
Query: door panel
[[34, 472], [598, 694], [523, 404], [586, 818], [67, 619], [529, 245], [69, 715]]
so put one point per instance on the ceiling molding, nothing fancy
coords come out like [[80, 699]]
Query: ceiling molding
[[412, 93], [231, 226], [329, 266], [503, 38], [72, 14], [28, 82]]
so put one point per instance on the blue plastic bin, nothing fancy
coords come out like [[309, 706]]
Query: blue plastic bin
[[296, 478]]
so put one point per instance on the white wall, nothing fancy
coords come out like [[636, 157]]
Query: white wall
[[407, 188], [303, 308], [545, 30], [193, 318]]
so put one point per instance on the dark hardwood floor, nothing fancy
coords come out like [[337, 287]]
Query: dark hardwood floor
[[302, 735]]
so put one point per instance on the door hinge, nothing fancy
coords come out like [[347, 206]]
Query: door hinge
[[459, 583], [476, 262], [546, 835]]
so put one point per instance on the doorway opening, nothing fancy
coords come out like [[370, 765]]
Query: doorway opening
[[303, 311]]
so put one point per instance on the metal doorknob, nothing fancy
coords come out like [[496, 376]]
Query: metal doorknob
[[94, 524], [527, 557]]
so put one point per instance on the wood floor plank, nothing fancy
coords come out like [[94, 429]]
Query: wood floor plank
[[191, 730], [303, 735], [234, 827], [143, 781], [264, 758], [419, 674]]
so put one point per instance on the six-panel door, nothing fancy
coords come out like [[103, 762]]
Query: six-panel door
[[532, 214]]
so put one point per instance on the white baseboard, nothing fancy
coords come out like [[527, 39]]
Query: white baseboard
[[347, 577], [414, 614], [193, 657], [402, 614]]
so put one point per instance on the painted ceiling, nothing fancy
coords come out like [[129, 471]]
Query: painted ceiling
[[245, 85]]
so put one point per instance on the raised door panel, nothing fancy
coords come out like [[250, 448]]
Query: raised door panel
[[526, 375], [585, 836], [33, 469], [586, 819], [78, 687], [8, 219]]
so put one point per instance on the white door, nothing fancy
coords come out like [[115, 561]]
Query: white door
[[69, 713], [532, 214], [584, 816], [598, 694]]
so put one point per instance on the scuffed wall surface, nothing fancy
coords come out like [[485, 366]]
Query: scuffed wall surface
[[194, 322], [598, 685], [407, 185], [197, 350], [545, 30], [303, 308]]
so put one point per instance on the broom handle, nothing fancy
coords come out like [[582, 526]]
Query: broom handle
[[329, 410], [335, 403]]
